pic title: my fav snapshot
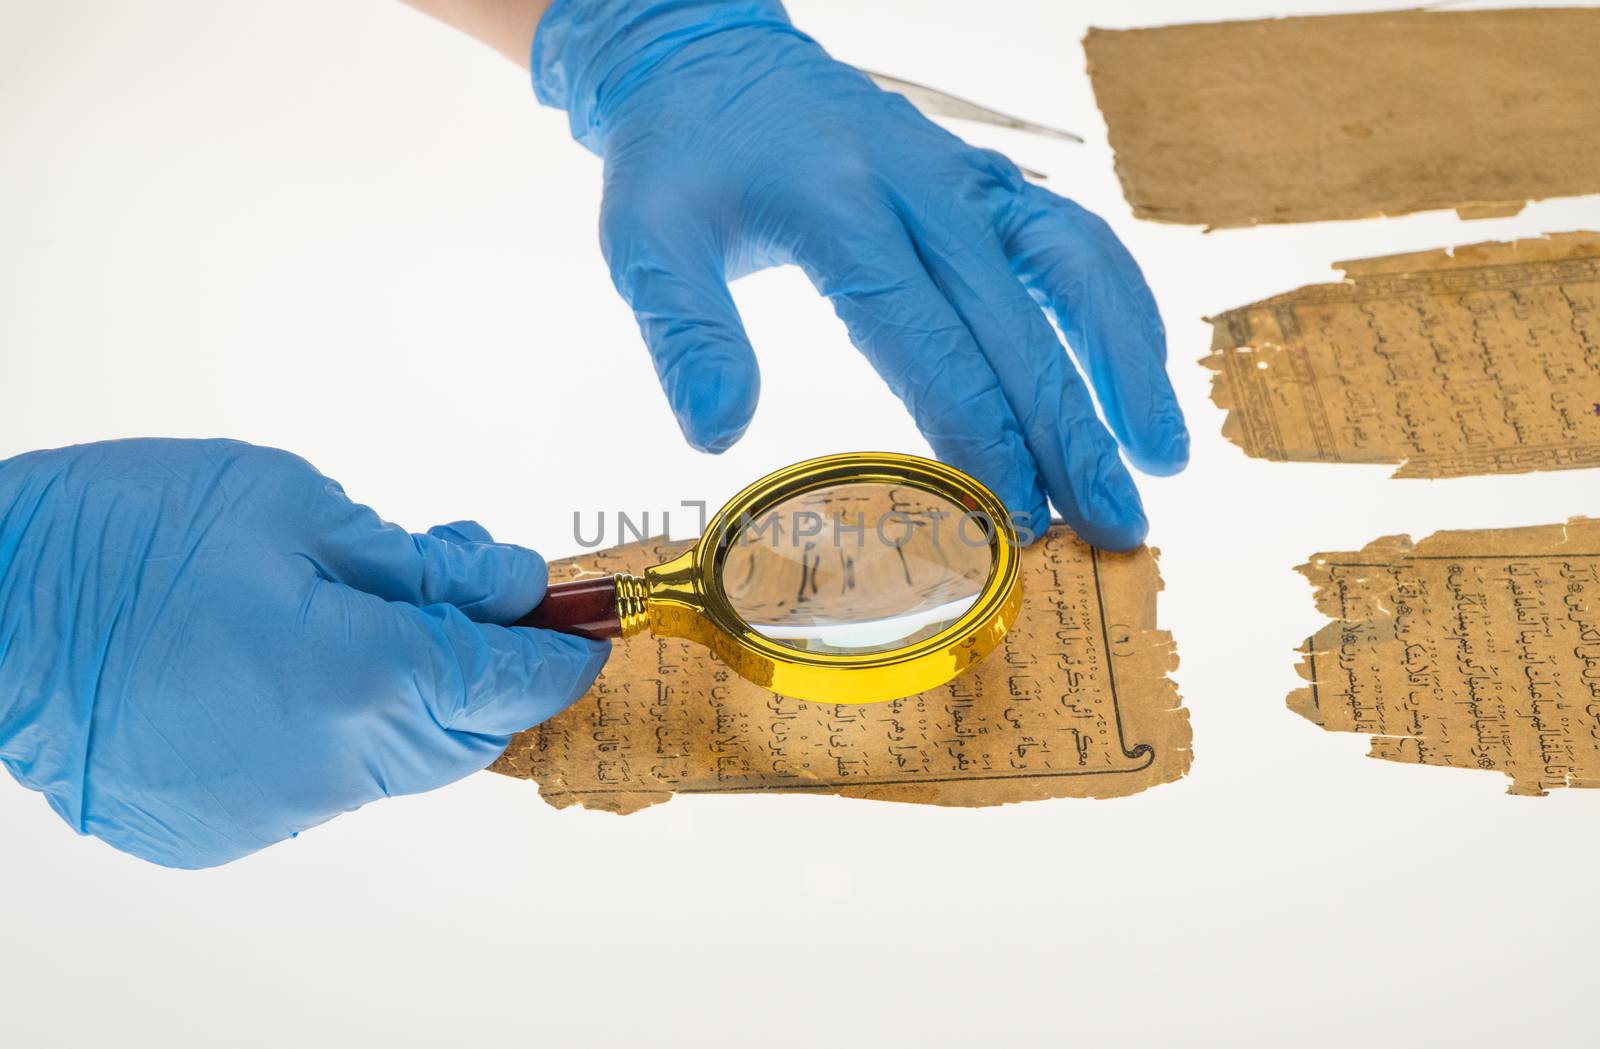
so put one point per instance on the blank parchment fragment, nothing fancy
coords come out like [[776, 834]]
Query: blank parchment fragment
[[1352, 116], [1480, 360], [1077, 702], [1476, 650]]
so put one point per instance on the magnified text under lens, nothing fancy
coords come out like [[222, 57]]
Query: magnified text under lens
[[857, 568]]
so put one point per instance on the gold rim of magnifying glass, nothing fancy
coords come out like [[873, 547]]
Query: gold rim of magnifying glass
[[685, 597]]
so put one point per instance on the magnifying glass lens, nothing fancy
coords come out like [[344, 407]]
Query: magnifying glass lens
[[857, 568]]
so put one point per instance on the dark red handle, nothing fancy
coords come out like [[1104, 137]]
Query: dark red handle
[[586, 607]]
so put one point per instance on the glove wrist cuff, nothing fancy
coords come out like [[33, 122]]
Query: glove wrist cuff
[[589, 54], [21, 490], [10, 540]]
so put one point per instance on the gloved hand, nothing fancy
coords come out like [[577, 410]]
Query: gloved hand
[[733, 142], [205, 647]]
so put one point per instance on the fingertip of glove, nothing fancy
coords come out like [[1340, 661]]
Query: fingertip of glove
[[1115, 536], [1032, 525], [461, 532], [489, 581], [715, 443], [1115, 518], [531, 573], [716, 408], [1169, 459]]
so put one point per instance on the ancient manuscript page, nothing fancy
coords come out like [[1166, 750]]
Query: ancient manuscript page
[[1481, 361], [1476, 650], [1075, 703], [1352, 116]]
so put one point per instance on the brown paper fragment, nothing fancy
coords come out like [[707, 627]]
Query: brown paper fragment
[[1351, 116], [1075, 703], [1501, 210], [1484, 360], [1469, 649]]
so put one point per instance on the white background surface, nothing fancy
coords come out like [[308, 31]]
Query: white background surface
[[341, 230]]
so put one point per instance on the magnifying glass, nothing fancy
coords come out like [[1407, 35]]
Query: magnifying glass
[[846, 579]]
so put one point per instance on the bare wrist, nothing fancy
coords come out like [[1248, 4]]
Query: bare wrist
[[507, 26]]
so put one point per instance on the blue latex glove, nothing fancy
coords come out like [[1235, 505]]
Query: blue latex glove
[[205, 647], [733, 142]]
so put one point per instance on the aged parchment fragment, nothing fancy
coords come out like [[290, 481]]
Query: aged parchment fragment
[[1352, 116], [1484, 361], [1469, 649], [1075, 703]]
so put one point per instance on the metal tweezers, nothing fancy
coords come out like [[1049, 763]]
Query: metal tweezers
[[935, 103]]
